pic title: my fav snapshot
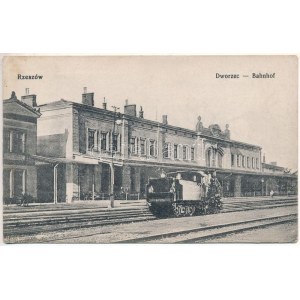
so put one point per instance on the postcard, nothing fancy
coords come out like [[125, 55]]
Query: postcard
[[150, 149]]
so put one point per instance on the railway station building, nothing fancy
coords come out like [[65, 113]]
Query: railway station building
[[79, 145], [19, 146]]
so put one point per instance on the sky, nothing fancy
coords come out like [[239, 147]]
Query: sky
[[263, 112]]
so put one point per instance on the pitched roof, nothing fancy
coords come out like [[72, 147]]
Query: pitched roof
[[24, 105], [56, 104]]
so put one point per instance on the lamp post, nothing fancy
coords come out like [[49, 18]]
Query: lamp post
[[55, 183], [262, 187], [112, 168]]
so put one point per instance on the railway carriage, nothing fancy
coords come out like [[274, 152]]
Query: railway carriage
[[184, 194]]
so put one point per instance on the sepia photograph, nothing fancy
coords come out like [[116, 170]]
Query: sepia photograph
[[150, 149]]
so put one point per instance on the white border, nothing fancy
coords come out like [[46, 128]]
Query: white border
[[141, 271]]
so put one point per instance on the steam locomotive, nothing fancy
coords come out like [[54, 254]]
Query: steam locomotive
[[184, 194]]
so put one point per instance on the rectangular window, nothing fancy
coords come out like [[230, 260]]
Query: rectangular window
[[143, 146], [18, 142], [192, 153], [91, 139], [133, 145], [19, 182], [248, 162], [152, 150], [115, 142], [238, 160], [184, 152], [167, 150], [176, 151], [257, 165], [253, 163], [243, 161], [232, 160], [103, 140], [6, 141]]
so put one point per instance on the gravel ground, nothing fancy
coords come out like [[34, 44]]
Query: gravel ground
[[114, 233], [283, 233]]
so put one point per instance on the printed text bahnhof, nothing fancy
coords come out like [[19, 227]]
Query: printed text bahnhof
[[253, 75]]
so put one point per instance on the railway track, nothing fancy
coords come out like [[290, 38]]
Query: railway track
[[252, 205], [202, 234], [27, 225], [34, 221]]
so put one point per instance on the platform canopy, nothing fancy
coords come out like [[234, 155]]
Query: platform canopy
[[41, 160]]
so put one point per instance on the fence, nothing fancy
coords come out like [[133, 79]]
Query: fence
[[106, 196]]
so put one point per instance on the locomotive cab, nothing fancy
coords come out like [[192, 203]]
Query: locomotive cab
[[161, 193]]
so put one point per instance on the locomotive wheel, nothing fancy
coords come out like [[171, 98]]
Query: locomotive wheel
[[193, 209], [177, 211], [182, 210], [189, 210]]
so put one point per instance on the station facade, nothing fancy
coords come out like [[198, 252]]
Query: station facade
[[78, 145], [19, 144]]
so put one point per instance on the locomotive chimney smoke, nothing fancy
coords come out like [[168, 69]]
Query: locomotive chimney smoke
[[141, 113], [104, 104], [165, 119]]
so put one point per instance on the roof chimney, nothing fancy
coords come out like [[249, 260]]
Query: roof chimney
[[87, 98], [129, 109], [104, 104], [29, 99], [13, 95], [165, 119], [141, 113]]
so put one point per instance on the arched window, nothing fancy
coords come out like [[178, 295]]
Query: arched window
[[208, 157], [220, 158], [214, 157], [180, 151]]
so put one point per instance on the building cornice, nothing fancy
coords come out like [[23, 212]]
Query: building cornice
[[66, 103]]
